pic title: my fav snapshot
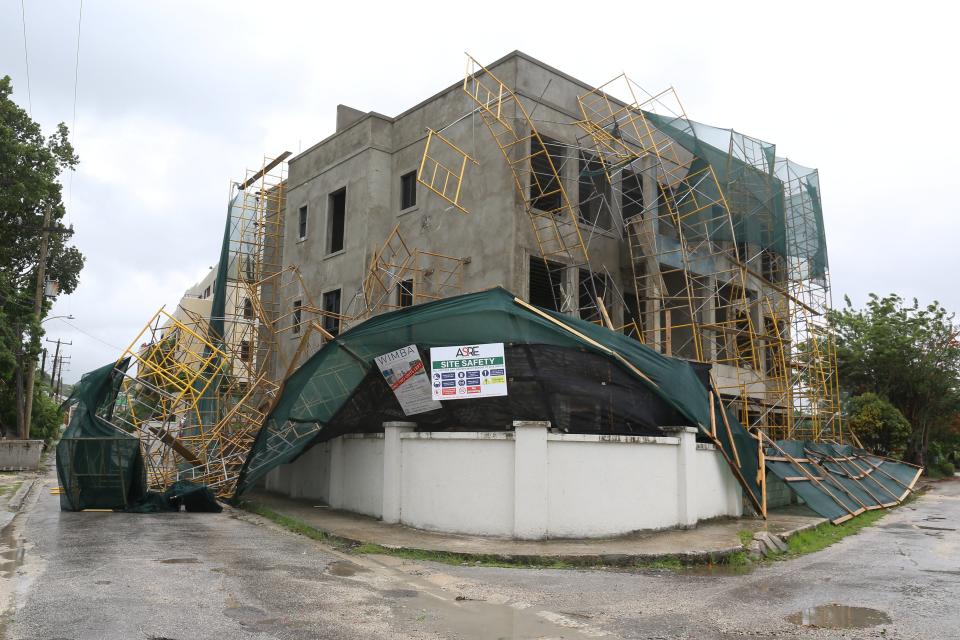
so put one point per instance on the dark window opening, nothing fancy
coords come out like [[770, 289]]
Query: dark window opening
[[743, 253], [772, 266], [302, 222], [545, 280], [631, 199], [774, 351], [632, 322], [593, 287], [544, 183], [247, 309], [405, 293], [338, 213], [245, 353], [331, 308], [594, 190], [408, 190], [297, 315], [666, 210]]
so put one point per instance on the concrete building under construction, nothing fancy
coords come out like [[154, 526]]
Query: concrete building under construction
[[607, 203], [650, 293]]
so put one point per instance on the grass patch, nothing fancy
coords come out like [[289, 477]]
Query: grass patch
[[746, 536], [827, 534], [532, 562], [10, 489], [292, 524], [669, 563], [738, 560]]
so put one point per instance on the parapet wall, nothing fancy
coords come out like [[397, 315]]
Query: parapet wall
[[528, 483]]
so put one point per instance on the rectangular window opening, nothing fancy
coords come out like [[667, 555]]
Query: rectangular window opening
[[405, 293], [594, 194], [331, 308], [545, 280], [592, 287], [408, 190], [337, 210], [544, 184], [302, 222], [297, 315], [631, 202]]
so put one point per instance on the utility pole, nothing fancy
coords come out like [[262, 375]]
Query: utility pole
[[31, 363], [60, 376], [56, 353]]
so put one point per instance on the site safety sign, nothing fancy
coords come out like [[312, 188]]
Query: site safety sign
[[468, 371], [404, 372]]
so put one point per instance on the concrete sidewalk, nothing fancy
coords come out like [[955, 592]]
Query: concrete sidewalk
[[710, 539]]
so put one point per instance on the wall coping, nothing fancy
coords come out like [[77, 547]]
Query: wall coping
[[457, 435], [612, 439], [362, 436], [551, 437]]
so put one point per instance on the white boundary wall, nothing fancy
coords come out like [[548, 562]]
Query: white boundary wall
[[528, 483]]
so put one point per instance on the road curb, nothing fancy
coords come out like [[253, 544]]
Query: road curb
[[686, 558], [16, 502]]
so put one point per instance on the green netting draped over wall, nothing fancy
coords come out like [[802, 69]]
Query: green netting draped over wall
[[774, 203], [313, 395], [839, 481], [98, 465]]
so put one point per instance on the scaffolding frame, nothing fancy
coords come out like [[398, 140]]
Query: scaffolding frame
[[701, 292]]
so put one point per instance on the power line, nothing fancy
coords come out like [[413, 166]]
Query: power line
[[26, 57], [73, 124], [90, 335]]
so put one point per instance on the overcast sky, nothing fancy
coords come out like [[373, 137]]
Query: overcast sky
[[175, 99]]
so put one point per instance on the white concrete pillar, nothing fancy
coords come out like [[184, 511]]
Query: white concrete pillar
[[686, 475], [336, 473], [530, 479], [393, 467]]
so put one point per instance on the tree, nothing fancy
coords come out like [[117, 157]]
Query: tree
[[879, 425], [30, 165], [907, 354]]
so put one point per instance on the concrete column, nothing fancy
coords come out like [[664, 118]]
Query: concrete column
[[392, 467], [686, 475], [530, 479], [336, 473]]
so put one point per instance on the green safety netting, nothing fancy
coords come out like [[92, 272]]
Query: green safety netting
[[840, 481], [316, 398], [774, 203], [98, 465]]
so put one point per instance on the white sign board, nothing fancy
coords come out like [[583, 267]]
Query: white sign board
[[404, 372], [468, 371]]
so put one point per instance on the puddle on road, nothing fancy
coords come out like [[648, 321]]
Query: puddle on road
[[839, 616], [180, 561], [478, 620], [344, 568], [10, 561], [12, 558]]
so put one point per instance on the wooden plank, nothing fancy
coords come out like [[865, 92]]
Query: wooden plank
[[809, 475], [259, 174]]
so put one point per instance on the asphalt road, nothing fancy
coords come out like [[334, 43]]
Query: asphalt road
[[233, 575]]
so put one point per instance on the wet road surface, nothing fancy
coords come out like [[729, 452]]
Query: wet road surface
[[233, 575]]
